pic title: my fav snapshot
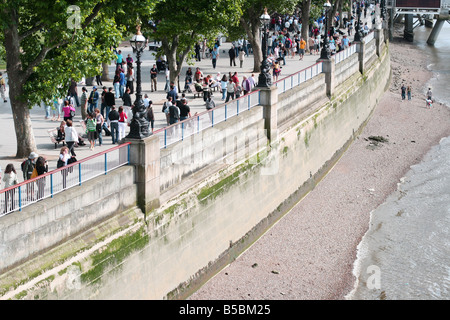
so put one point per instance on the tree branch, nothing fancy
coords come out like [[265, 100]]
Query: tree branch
[[46, 49], [32, 30]]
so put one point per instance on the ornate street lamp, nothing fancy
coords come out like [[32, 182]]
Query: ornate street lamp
[[139, 123], [325, 53], [265, 79], [358, 35]]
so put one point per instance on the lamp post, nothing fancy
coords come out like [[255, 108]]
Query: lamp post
[[358, 34], [264, 79], [139, 123], [325, 53]]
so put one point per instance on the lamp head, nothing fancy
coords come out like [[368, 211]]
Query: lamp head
[[138, 41], [265, 18]]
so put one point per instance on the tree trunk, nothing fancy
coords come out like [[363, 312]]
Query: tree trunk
[[20, 111], [306, 6], [105, 73], [254, 37]]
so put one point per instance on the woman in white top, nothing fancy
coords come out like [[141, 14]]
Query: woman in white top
[[70, 136], [231, 86], [10, 176]]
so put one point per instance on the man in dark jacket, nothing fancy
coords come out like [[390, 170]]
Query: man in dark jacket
[[174, 113], [127, 98], [113, 119], [232, 53], [110, 101]]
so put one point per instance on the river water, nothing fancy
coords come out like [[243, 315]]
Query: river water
[[405, 254]]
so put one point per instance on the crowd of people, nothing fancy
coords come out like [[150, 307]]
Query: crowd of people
[[101, 117]]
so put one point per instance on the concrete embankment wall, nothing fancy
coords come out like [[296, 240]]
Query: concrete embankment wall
[[50, 222], [206, 212]]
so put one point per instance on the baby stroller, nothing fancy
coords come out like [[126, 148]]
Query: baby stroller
[[161, 65]]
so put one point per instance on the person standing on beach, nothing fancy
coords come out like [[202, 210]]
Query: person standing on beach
[[429, 94], [408, 92], [403, 88]]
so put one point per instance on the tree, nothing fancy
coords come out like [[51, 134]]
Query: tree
[[49, 43], [181, 24], [250, 22]]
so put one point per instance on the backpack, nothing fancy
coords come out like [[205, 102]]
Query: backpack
[[288, 43], [22, 165]]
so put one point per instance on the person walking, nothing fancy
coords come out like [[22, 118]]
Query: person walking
[[429, 94], [122, 83], [68, 110], [110, 101], [403, 89], [154, 77], [130, 79], [408, 92], [116, 84], [83, 104], [99, 125], [150, 115], [223, 87], [122, 123], [231, 86], [214, 56], [241, 58], [113, 119], [10, 179], [70, 136], [91, 130], [232, 54], [93, 100], [3, 87], [73, 92]]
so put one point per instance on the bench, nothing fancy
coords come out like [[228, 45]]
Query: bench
[[195, 92], [53, 134]]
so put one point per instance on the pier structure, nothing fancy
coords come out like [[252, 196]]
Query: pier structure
[[414, 13]]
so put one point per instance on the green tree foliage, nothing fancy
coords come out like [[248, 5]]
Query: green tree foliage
[[251, 24], [181, 24], [47, 43]]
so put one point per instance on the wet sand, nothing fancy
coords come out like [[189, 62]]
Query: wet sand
[[309, 253]]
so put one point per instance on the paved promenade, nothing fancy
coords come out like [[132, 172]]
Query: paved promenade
[[41, 125], [45, 147]]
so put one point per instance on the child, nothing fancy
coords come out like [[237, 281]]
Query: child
[[91, 130]]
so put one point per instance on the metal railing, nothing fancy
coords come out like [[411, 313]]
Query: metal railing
[[199, 122], [369, 37], [299, 77], [344, 54], [16, 197]]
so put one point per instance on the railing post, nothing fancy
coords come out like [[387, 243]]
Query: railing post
[[182, 131], [237, 107], [212, 117], [165, 138], [51, 185], [198, 124], [79, 173], [106, 163], [225, 112], [20, 198]]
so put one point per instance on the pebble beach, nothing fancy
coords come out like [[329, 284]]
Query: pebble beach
[[309, 253]]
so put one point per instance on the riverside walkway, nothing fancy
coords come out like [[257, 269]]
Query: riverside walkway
[[46, 148]]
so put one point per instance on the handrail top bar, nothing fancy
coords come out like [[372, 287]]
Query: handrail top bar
[[65, 167], [289, 76], [205, 112]]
